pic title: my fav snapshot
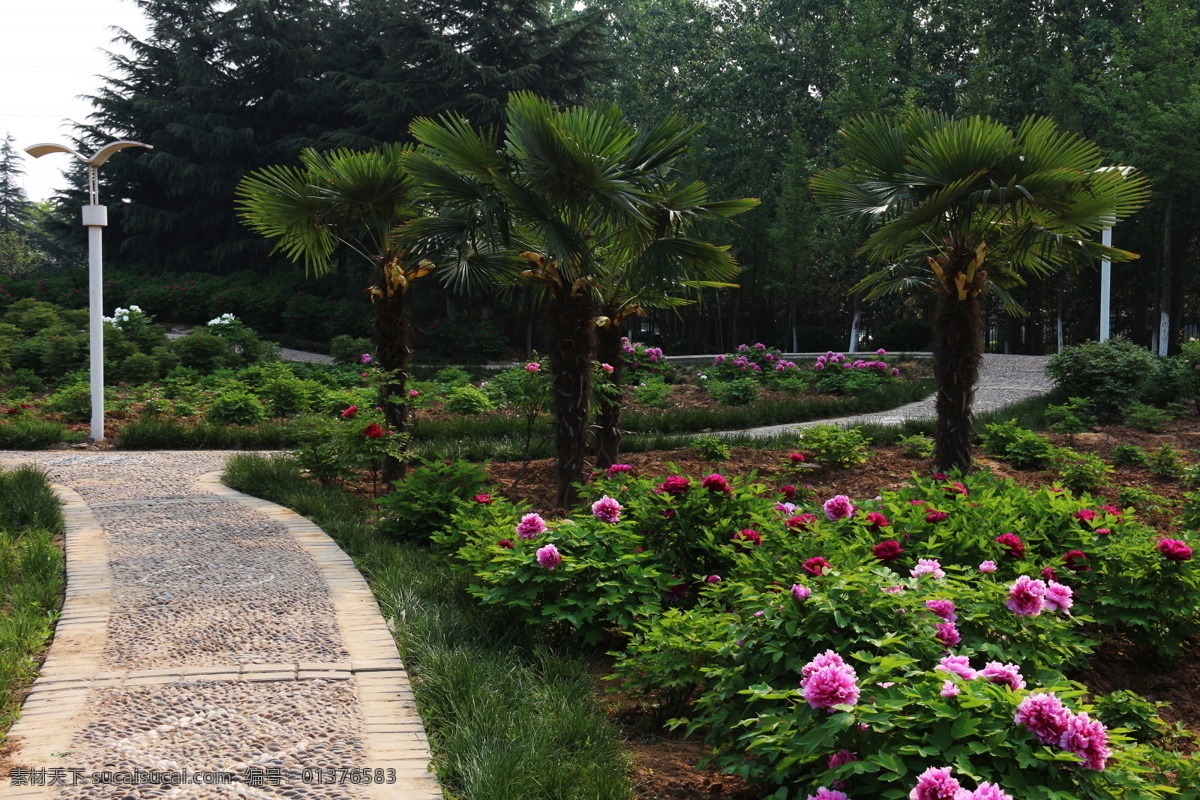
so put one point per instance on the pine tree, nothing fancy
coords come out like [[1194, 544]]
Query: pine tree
[[14, 207]]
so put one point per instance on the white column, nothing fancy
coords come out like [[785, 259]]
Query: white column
[[95, 217], [1105, 287]]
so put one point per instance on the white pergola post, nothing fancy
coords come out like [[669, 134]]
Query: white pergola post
[[95, 218], [1105, 287]]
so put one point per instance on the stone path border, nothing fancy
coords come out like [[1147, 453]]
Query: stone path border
[[392, 732]]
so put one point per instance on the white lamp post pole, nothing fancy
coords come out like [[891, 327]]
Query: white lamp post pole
[[95, 218], [1105, 286]]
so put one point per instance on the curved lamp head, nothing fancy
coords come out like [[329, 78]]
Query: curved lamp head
[[98, 158]]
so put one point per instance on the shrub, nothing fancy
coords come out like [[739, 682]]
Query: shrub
[[73, 401], [1129, 455], [1142, 499], [1111, 375], [452, 377], [1021, 447], [712, 448], [834, 446], [740, 392], [349, 350], [32, 434], [235, 407], [138, 368], [1165, 463], [289, 396], [916, 446], [27, 379], [1171, 379], [467, 400], [1142, 417], [245, 345], [1071, 417], [652, 393], [1190, 513], [423, 503], [1080, 471], [202, 351]]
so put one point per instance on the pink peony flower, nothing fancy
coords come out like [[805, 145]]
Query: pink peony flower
[[676, 484], [1103, 531], [895, 372], [828, 794], [887, 551], [716, 483], [817, 566], [1044, 715], [1004, 674], [800, 522], [1088, 739], [1174, 550], [935, 783], [1075, 560], [533, 366], [607, 510], [800, 592], [881, 352], [927, 566], [484, 499], [943, 608], [748, 537], [349, 412], [1058, 597], [825, 659], [548, 556], [958, 665], [936, 516], [955, 488], [618, 469], [796, 458], [530, 526], [373, 431], [1026, 597], [713, 579], [1085, 515], [831, 684], [1049, 574], [669, 513], [987, 566], [1016, 548], [365, 358], [838, 759], [949, 689], [413, 393], [607, 368], [948, 634], [874, 520], [838, 507], [986, 791], [507, 544], [788, 491]]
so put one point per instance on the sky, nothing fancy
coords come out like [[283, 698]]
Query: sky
[[52, 51]]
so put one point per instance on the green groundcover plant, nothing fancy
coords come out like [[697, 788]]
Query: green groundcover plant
[[878, 648]]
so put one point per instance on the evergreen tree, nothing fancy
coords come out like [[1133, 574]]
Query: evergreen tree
[[14, 207]]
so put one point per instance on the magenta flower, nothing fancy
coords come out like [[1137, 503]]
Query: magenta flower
[[1016, 548], [1049, 574], [935, 783], [1058, 597], [948, 634], [800, 592], [533, 366], [838, 507], [987, 566], [958, 665], [788, 491], [713, 579], [484, 499], [1004, 674], [986, 791], [548, 556], [1103, 531], [748, 537], [618, 469], [1044, 715], [828, 794], [365, 358], [838, 759], [1088, 739], [716, 483], [349, 412], [607, 510], [800, 522], [943, 608], [1026, 597], [828, 658], [927, 566], [817, 565], [530, 526], [874, 520], [936, 516], [676, 484], [607, 368], [887, 551], [796, 458], [895, 372], [1076, 560], [1174, 550], [830, 684], [949, 689], [505, 543]]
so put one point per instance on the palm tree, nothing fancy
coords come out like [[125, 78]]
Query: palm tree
[[967, 206], [356, 201], [559, 194]]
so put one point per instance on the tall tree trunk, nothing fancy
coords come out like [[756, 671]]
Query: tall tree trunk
[[391, 352], [608, 407], [957, 326], [572, 321]]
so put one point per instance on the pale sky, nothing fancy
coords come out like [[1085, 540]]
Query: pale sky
[[52, 51]]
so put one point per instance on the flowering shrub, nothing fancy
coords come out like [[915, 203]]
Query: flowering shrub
[[839, 375], [766, 365], [424, 502], [641, 360]]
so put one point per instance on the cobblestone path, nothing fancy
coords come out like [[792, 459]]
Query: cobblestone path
[[208, 636]]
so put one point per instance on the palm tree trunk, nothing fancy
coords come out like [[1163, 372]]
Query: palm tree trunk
[[957, 325], [572, 320], [608, 407], [391, 352]]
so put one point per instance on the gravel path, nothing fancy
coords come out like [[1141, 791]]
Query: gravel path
[[210, 634], [1003, 380]]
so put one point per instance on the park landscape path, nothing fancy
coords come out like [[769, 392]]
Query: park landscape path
[[214, 633]]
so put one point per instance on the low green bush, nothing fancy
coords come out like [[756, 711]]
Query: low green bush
[[421, 505], [916, 446], [1142, 417], [348, 350], [1111, 375], [1164, 462], [32, 434], [1019, 446], [235, 407], [834, 446], [652, 394], [1080, 472], [467, 400], [1129, 455], [1070, 417], [712, 448], [738, 392]]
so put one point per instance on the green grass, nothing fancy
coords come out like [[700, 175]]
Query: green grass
[[31, 581], [509, 716], [32, 434], [159, 433]]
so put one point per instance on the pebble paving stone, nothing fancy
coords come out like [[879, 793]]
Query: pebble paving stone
[[210, 635]]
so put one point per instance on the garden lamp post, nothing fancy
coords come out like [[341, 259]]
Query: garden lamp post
[[1106, 270], [95, 217]]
